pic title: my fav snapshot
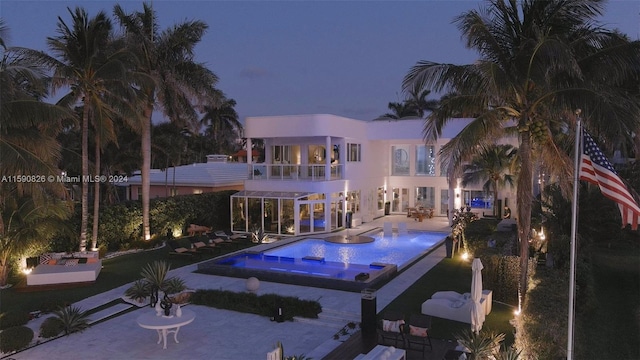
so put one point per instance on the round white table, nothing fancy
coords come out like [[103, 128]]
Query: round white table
[[165, 325]]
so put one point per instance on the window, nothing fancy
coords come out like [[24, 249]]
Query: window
[[381, 192], [281, 154], [353, 201], [444, 201], [353, 152], [400, 160], [425, 196], [426, 160], [477, 199], [197, 191]]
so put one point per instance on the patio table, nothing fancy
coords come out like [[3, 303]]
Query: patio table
[[165, 325]]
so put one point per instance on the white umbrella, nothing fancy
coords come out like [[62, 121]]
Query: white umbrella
[[477, 310]]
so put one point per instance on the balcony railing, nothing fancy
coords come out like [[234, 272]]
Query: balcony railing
[[305, 172]]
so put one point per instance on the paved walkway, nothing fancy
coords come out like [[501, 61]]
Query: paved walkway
[[221, 334]]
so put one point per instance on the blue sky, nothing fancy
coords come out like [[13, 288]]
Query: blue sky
[[345, 58]]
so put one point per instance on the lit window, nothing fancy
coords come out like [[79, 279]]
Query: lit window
[[400, 160], [426, 160], [354, 152]]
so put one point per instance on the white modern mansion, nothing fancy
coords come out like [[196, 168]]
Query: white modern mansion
[[322, 170]]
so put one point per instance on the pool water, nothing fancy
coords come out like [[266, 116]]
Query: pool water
[[316, 262], [398, 249]]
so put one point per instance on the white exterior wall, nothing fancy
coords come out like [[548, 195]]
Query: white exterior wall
[[376, 139]]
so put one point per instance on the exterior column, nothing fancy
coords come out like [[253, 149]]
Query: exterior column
[[327, 158], [249, 159]]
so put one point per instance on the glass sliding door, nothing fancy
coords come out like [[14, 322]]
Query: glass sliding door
[[400, 201], [444, 201], [425, 197]]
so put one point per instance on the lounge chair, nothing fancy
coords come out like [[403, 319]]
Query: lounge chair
[[202, 247], [391, 327], [177, 249], [418, 332], [221, 234], [229, 235]]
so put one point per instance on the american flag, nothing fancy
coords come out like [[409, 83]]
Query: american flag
[[596, 169]]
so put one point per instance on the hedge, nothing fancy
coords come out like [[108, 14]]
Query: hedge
[[261, 305], [120, 225]]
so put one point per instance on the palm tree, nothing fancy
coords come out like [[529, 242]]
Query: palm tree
[[174, 82], [539, 60], [222, 124], [400, 110], [29, 210], [496, 165], [417, 98], [93, 71]]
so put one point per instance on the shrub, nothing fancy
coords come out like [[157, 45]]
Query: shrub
[[120, 224], [73, 319], [11, 319], [138, 291], [15, 338], [51, 327]]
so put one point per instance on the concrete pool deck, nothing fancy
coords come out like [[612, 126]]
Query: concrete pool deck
[[221, 334]]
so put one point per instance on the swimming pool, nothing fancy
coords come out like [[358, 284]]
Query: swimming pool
[[316, 262], [398, 249]]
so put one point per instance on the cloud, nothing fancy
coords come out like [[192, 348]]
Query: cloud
[[254, 73]]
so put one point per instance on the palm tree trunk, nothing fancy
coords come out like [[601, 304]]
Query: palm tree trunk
[[525, 198], [452, 197], [96, 199], [496, 209], [145, 172], [4, 268], [85, 172]]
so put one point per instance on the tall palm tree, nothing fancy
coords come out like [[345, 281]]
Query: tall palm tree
[[222, 124], [174, 81], [494, 165], [93, 72], [539, 61]]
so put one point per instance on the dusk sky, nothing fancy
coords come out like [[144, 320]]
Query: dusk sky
[[300, 57]]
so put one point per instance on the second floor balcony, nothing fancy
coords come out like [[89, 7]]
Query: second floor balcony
[[305, 172]]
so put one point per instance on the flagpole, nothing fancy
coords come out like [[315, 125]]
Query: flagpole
[[574, 230]]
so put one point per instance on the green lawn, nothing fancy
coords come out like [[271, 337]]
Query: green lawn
[[115, 272], [450, 274]]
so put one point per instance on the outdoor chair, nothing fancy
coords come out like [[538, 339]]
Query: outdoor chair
[[391, 327], [202, 247], [177, 249], [418, 329], [219, 238]]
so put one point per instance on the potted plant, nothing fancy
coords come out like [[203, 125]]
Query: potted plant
[[154, 279]]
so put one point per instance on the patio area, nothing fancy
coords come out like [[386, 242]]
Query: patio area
[[223, 334]]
